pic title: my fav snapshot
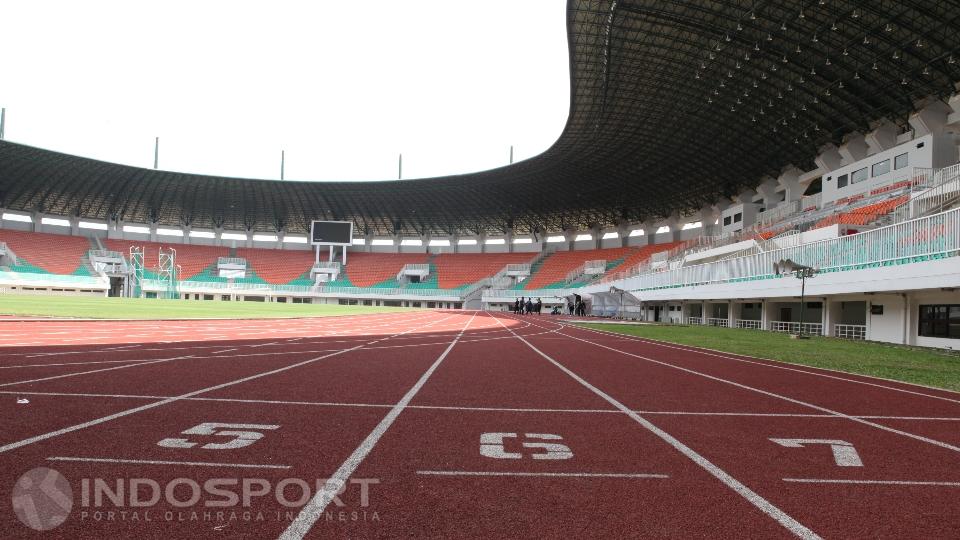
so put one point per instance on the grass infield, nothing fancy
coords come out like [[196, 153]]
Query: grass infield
[[136, 308], [930, 367]]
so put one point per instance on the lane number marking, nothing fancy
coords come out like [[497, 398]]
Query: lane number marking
[[243, 435], [492, 446], [844, 454]]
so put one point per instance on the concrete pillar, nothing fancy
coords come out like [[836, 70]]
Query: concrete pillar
[[790, 181], [367, 243], [37, 219], [508, 238], [746, 196], [768, 190], [854, 148], [623, 231], [765, 319], [733, 313], [649, 232], [455, 243], [931, 119], [569, 236], [832, 313], [883, 137], [704, 314], [482, 240], [281, 233], [596, 233], [218, 236], [829, 158], [74, 225], [153, 230], [186, 234], [675, 222]]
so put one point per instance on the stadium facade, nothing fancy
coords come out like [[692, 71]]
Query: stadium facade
[[704, 144]]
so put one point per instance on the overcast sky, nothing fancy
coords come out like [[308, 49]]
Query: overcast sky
[[343, 87]]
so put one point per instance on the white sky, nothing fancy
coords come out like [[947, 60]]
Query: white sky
[[343, 87]]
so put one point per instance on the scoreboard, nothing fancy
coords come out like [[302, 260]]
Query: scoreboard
[[331, 233]]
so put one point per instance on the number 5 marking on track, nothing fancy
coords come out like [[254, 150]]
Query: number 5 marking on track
[[240, 438], [844, 454], [491, 446]]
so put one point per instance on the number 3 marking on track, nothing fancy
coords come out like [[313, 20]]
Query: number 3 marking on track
[[844, 454], [492, 446], [240, 438]]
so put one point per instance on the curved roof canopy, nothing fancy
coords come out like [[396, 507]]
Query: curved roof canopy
[[673, 105]]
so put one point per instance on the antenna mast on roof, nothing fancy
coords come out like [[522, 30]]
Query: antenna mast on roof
[[3, 121], [283, 158], [156, 152], [400, 168], [511, 154]]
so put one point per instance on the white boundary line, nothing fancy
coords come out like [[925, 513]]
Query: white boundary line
[[547, 474], [79, 373], [121, 414], [772, 363], [871, 482], [155, 462], [483, 409], [310, 513], [765, 506]]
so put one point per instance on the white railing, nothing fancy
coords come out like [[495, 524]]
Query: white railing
[[592, 268], [524, 293], [695, 320], [814, 329], [326, 265], [749, 323], [267, 289], [850, 331], [725, 323], [907, 241], [53, 280], [517, 268], [808, 201], [773, 215], [232, 261], [106, 254]]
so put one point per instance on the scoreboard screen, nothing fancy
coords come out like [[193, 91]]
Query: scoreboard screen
[[331, 233]]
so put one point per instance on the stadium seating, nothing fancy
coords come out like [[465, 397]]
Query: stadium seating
[[641, 255], [378, 269], [555, 267], [193, 260], [455, 270], [279, 267], [45, 252], [863, 215]]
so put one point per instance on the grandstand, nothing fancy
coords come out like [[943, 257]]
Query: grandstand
[[686, 222]]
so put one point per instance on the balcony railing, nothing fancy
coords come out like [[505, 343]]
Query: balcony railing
[[815, 329], [695, 320], [723, 323], [850, 331], [749, 323]]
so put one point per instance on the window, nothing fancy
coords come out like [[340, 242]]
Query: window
[[842, 181], [738, 217], [942, 321], [859, 176], [726, 221], [881, 168], [901, 161]]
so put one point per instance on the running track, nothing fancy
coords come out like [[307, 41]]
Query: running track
[[461, 424]]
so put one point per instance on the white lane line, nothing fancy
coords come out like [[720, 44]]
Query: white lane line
[[74, 364], [310, 513], [751, 496], [775, 364], [545, 474], [477, 409], [154, 462], [838, 414], [66, 375], [121, 414], [871, 482]]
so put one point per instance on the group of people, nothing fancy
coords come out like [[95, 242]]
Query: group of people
[[528, 306], [577, 307]]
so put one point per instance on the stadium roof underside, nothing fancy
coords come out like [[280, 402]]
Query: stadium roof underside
[[674, 104]]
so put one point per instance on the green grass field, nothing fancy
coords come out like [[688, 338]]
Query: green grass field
[[929, 367], [132, 308]]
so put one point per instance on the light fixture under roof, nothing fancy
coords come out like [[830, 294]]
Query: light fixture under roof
[[828, 61], [783, 26], [856, 74], [840, 85], [889, 27], [815, 39], [926, 70]]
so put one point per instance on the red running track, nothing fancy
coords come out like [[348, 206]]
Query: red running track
[[455, 424]]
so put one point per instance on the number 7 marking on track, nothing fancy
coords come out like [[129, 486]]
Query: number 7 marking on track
[[844, 454]]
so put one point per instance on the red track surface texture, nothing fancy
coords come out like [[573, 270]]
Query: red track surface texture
[[454, 425]]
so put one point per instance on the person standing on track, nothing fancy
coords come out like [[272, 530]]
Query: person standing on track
[[538, 306], [529, 306], [516, 306]]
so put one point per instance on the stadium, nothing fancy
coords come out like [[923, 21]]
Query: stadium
[[723, 303]]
